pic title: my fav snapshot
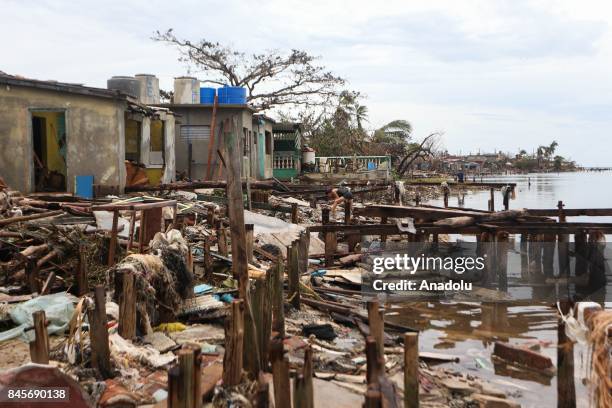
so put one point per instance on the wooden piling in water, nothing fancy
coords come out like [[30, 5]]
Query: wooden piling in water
[[566, 389], [581, 253], [563, 245], [501, 259]]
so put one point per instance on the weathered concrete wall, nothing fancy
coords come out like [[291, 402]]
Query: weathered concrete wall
[[202, 115], [94, 135]]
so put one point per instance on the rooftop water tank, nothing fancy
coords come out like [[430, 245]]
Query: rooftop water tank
[[234, 95], [186, 90], [125, 84], [149, 88], [207, 95]]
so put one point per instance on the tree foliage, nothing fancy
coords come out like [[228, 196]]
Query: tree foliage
[[272, 78]]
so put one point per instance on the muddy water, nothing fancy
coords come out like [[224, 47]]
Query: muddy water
[[469, 330]]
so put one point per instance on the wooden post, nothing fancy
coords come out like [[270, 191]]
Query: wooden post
[[294, 213], [597, 261], [262, 314], [113, 238], [132, 229], [347, 211], [535, 256], [548, 254], [186, 377], [100, 352], [174, 387], [325, 215], [304, 245], [127, 306], [197, 377], [278, 313], [331, 243], [234, 343], [39, 348], [566, 390], [581, 253], [492, 192], [308, 372], [211, 142], [210, 216], [563, 246], [32, 270], [377, 327], [222, 241], [299, 392], [262, 397], [208, 262], [235, 207], [411, 370], [487, 242], [373, 398], [249, 241], [383, 220], [501, 259], [82, 271], [524, 250], [294, 274], [280, 374], [374, 364]]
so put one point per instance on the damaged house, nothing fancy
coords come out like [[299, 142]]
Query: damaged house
[[57, 137], [199, 121]]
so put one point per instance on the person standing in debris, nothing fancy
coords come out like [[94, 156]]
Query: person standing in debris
[[337, 196]]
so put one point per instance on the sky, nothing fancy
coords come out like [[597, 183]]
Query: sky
[[490, 74]]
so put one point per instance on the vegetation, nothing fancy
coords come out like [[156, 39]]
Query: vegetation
[[272, 78]]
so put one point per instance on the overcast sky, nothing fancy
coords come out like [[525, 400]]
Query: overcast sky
[[491, 74]]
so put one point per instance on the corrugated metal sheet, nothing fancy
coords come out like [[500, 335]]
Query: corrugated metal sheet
[[195, 132]]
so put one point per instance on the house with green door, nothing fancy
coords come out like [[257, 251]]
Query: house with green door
[[287, 154]]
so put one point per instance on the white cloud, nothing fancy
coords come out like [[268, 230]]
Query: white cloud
[[491, 74]]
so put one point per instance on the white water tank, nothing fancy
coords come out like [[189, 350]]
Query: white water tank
[[308, 156], [125, 84], [186, 90], [149, 88]]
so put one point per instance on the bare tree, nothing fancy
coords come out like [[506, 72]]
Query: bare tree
[[272, 78], [425, 149]]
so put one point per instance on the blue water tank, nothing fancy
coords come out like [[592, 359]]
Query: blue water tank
[[207, 95], [233, 95]]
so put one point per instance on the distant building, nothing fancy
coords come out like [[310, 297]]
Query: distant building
[[66, 137]]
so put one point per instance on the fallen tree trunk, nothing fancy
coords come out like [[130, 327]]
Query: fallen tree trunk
[[466, 221]]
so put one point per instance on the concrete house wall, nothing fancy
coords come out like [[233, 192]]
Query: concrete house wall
[[95, 142]]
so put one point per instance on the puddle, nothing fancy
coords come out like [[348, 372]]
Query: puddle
[[469, 331]]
